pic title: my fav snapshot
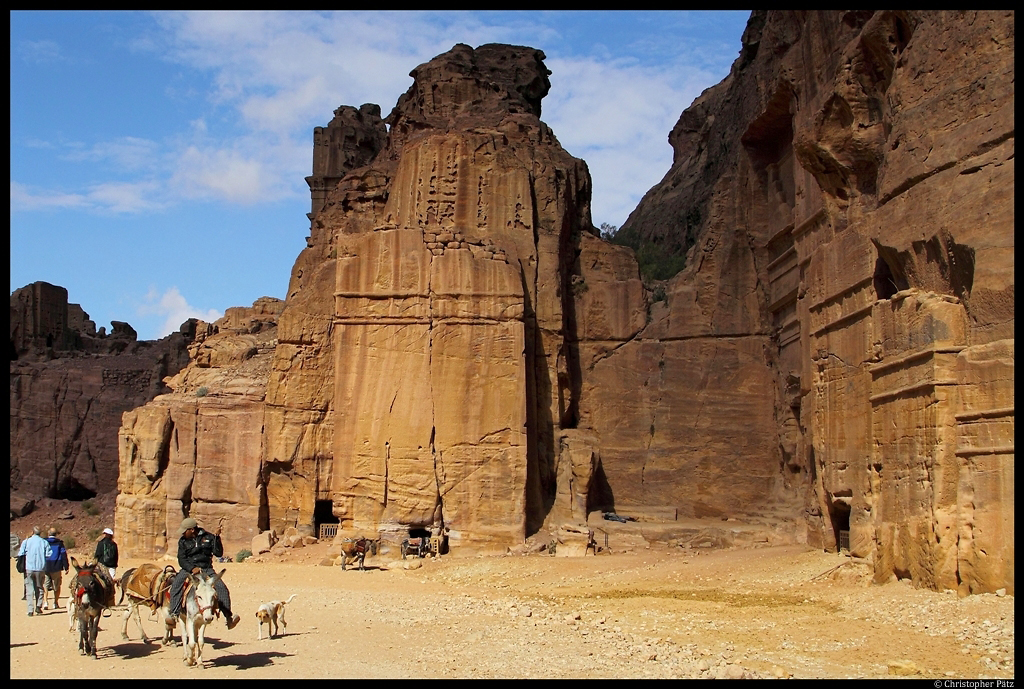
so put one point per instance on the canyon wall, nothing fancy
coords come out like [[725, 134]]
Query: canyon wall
[[856, 169], [459, 347], [69, 386]]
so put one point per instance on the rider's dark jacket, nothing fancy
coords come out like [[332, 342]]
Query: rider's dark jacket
[[199, 550], [106, 552]]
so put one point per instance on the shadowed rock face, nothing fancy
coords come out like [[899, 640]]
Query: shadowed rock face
[[69, 387], [458, 345]]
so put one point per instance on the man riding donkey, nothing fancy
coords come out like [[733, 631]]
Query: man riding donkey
[[196, 550]]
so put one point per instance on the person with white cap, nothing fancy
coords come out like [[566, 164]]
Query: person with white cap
[[196, 550], [106, 552]]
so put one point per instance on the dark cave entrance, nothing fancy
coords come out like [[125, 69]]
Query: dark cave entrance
[[600, 497], [839, 514], [70, 489], [323, 513], [418, 532]]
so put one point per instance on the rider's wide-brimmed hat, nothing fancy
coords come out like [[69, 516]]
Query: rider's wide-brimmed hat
[[188, 523]]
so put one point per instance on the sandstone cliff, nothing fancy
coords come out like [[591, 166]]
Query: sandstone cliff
[[459, 347], [197, 449], [69, 386], [845, 199]]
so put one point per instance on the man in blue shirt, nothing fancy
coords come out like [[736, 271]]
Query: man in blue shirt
[[36, 550], [56, 566]]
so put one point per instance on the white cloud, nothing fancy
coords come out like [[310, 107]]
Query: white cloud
[[112, 197], [126, 197], [174, 309], [39, 51], [237, 177], [283, 72], [129, 152], [24, 198], [273, 76], [287, 69]]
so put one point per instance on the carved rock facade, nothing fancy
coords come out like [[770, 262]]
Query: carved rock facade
[[459, 347], [845, 197]]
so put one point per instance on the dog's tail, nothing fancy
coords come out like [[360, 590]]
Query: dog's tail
[[290, 598]]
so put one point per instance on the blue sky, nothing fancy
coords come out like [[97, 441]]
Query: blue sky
[[157, 159]]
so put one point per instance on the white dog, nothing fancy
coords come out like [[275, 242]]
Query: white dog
[[72, 590], [272, 613]]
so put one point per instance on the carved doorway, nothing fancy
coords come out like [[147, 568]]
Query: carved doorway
[[323, 514], [839, 513]]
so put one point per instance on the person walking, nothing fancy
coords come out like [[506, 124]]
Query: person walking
[[106, 552], [36, 550], [15, 547], [56, 565]]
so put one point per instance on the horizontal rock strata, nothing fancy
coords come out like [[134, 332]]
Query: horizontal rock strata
[[69, 386], [459, 348]]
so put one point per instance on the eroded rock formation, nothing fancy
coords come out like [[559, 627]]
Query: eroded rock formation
[[458, 345], [845, 196], [69, 386], [198, 449]]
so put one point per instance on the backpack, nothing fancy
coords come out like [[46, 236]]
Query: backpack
[[106, 553], [55, 561]]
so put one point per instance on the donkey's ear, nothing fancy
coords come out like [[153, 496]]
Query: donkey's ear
[[74, 563], [220, 574]]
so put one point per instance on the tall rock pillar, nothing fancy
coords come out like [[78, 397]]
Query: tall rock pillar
[[451, 336]]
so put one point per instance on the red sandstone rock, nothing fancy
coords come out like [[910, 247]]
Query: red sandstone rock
[[69, 387], [457, 346]]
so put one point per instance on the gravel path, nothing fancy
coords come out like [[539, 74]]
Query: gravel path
[[761, 613]]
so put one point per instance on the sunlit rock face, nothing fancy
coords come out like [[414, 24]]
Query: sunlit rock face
[[453, 308], [845, 195], [459, 348]]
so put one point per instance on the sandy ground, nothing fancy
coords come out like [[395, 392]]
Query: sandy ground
[[778, 611]]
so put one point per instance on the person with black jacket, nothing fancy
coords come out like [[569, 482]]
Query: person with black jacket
[[106, 552], [196, 550]]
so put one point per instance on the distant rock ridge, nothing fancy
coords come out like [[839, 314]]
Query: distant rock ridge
[[458, 347], [69, 386]]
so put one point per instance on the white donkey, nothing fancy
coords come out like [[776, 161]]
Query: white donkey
[[198, 610]]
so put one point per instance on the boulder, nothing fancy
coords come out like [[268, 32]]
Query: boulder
[[903, 668], [21, 505], [263, 542]]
